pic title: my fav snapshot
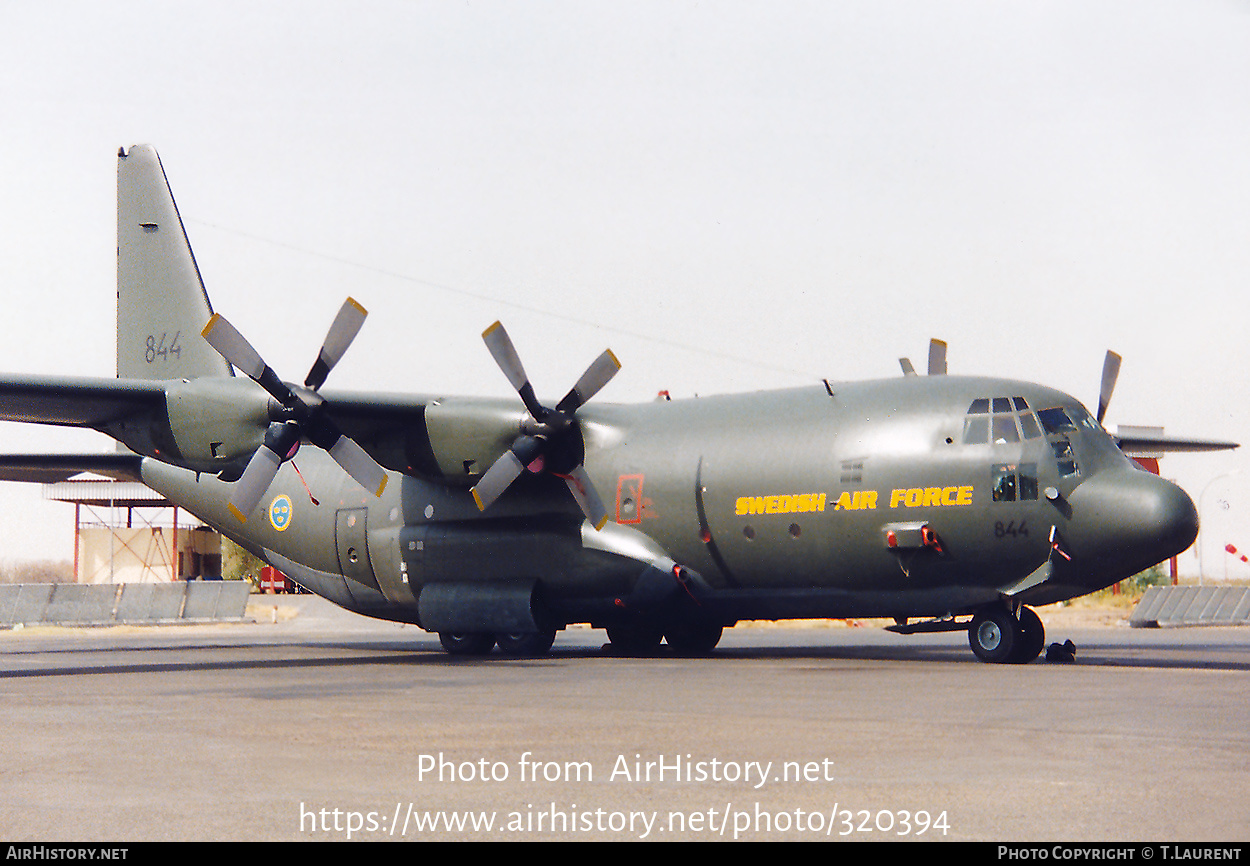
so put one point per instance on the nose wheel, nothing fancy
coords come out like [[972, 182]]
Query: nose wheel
[[998, 637]]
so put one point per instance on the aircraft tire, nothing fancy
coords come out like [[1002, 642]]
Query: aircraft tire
[[635, 640], [467, 643], [994, 635], [526, 645], [1032, 638], [694, 638]]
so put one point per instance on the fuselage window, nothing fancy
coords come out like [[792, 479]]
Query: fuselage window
[[1004, 483], [1010, 487], [1065, 460], [1028, 481]]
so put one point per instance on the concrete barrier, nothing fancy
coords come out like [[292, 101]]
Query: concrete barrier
[[1169, 606], [113, 604]]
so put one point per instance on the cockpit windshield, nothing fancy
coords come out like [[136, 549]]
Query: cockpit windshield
[[999, 421]]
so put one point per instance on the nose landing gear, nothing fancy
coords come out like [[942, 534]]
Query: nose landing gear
[[997, 636]]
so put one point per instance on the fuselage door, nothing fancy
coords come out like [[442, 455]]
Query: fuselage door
[[351, 539]]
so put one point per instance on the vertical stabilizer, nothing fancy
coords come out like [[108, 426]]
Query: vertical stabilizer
[[161, 303]]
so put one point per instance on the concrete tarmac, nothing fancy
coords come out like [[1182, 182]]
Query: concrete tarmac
[[325, 725]]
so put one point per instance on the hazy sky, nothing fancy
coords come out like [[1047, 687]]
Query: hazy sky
[[733, 196]]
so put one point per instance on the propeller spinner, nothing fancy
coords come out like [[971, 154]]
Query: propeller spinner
[[548, 444], [303, 410]]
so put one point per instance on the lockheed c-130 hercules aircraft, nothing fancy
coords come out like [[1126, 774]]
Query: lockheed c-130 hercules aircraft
[[947, 503]]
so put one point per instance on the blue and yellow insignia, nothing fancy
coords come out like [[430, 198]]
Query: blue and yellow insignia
[[281, 512]]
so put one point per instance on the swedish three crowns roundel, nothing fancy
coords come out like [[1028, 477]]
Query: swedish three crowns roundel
[[281, 512]]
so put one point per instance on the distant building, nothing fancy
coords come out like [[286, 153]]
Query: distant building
[[125, 532]]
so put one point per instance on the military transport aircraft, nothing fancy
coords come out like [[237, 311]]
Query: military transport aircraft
[[955, 501]]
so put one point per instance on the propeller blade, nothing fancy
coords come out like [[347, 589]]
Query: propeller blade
[[908, 369], [232, 346], [357, 463], [497, 479], [505, 355], [937, 357], [598, 374], [346, 452], [346, 326], [1110, 372], [587, 497], [255, 480]]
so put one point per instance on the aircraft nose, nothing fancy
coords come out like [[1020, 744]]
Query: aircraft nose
[[1130, 520]]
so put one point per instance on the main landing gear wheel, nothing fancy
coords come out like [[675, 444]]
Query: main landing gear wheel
[[694, 638], [526, 645], [467, 643], [1032, 637], [635, 640], [994, 635]]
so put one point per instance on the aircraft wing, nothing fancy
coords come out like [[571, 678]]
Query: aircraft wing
[[364, 415], [403, 432], [453, 438], [1146, 443], [75, 402]]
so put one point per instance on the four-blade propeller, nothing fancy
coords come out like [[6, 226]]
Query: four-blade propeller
[[303, 414], [552, 443], [937, 360]]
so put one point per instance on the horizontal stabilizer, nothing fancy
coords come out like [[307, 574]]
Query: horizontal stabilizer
[[52, 468]]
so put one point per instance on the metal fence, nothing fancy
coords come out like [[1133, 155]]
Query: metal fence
[[1164, 606], [115, 604]]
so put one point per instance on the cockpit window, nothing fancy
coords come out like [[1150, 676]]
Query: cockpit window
[[1081, 415], [1005, 429], [1009, 421], [1055, 420], [977, 430], [1028, 426]]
